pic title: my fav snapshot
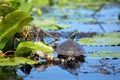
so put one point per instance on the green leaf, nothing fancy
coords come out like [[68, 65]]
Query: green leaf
[[16, 61], [103, 54], [14, 4], [39, 12], [41, 46], [2, 44], [26, 47], [40, 2], [11, 24], [25, 6], [105, 39], [4, 10]]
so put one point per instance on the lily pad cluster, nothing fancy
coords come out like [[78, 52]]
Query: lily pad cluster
[[103, 54], [49, 24], [107, 39], [102, 40]]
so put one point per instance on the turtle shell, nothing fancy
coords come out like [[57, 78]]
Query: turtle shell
[[70, 48]]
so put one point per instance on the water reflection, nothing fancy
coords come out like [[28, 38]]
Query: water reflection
[[68, 70], [8, 73], [69, 66], [46, 69]]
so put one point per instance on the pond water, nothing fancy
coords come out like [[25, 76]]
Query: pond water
[[91, 69], [80, 19]]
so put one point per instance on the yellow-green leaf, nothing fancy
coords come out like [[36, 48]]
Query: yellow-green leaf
[[26, 47], [16, 61], [11, 24]]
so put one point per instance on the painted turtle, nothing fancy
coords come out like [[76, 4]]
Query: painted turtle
[[70, 50]]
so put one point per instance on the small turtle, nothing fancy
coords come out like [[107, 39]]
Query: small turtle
[[70, 50]]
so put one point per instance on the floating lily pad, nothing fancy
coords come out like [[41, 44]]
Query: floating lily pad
[[105, 39], [84, 20], [49, 24], [16, 61], [113, 34], [25, 48], [93, 6], [104, 54]]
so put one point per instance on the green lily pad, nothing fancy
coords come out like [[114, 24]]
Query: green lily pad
[[105, 39], [84, 20], [49, 24], [26, 47], [113, 34], [16, 61], [93, 6], [104, 54]]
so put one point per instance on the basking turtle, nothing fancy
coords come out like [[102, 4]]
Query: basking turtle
[[70, 50]]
